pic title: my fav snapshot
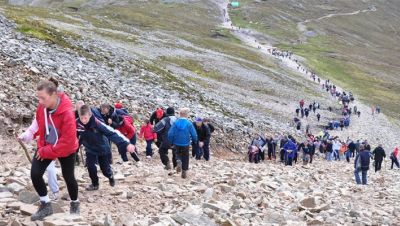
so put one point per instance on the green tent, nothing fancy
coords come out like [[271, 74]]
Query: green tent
[[235, 4]]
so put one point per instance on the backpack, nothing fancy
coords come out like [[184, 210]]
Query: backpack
[[162, 126]]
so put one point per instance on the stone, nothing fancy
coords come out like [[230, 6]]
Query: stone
[[28, 209], [15, 188], [62, 219], [5, 194], [28, 197], [34, 70], [108, 221]]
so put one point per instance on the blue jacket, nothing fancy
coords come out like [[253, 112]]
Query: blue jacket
[[362, 160], [181, 132], [290, 145], [96, 136]]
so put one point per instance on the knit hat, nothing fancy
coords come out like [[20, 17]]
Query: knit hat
[[198, 119], [118, 105], [170, 111]]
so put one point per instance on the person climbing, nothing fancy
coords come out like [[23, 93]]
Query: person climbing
[[126, 127], [297, 112], [301, 103], [306, 112], [271, 148], [146, 133], [27, 137], [256, 149], [393, 157], [302, 112], [282, 143], [290, 150], [359, 113], [95, 136], [341, 124], [378, 109], [78, 105], [211, 127], [57, 140], [318, 116], [352, 148], [162, 128], [304, 148], [336, 147], [379, 155], [203, 134], [361, 164], [180, 134], [157, 116]]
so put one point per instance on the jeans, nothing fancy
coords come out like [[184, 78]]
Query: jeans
[[395, 161], [364, 176], [206, 150], [149, 149], [104, 164], [336, 155], [68, 171], [182, 154], [134, 154]]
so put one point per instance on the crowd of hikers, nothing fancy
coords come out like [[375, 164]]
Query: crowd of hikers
[[61, 129]]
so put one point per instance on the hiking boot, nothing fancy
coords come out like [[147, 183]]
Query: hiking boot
[[74, 208], [168, 166], [178, 166], [45, 209], [184, 174], [112, 181], [92, 187]]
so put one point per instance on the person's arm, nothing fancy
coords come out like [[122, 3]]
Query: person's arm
[[67, 139], [152, 118], [28, 135], [193, 133], [113, 135], [141, 132]]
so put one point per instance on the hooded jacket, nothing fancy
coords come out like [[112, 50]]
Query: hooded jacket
[[95, 137], [56, 130], [181, 132]]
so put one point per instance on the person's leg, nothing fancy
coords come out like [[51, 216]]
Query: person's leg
[[397, 163], [392, 164], [269, 154], [91, 166], [194, 148], [376, 166], [174, 162], [37, 170], [206, 150], [68, 172], [149, 150], [163, 151], [311, 158], [52, 177], [123, 155], [357, 176], [290, 160], [105, 166], [364, 177], [135, 156]]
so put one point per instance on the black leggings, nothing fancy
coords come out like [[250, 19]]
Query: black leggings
[[67, 168]]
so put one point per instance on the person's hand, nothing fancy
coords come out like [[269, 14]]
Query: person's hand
[[38, 156], [25, 137], [201, 144], [109, 121], [130, 148], [155, 140]]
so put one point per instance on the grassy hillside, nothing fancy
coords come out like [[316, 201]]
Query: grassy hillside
[[359, 52]]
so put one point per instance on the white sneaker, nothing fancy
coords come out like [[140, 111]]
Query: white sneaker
[[149, 156], [139, 163], [54, 196]]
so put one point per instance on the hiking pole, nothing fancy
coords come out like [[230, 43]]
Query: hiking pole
[[24, 148], [82, 159]]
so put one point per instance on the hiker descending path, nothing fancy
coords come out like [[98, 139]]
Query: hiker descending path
[[375, 128]]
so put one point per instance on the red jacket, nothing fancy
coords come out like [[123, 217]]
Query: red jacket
[[64, 141], [147, 132], [127, 128], [396, 152]]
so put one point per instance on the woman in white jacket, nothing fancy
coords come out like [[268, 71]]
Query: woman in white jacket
[[28, 136]]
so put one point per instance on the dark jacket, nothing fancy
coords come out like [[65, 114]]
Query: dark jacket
[[203, 132], [379, 154], [362, 160], [113, 114], [154, 119], [162, 128], [352, 146], [95, 137]]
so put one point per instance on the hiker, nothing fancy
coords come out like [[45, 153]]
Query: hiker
[[146, 133], [27, 137], [355, 109], [157, 115], [297, 112], [393, 157], [298, 126], [256, 149], [95, 136], [361, 164], [271, 148], [290, 150], [341, 124], [125, 127], [302, 112], [329, 150], [312, 146], [306, 112], [379, 155], [78, 105], [301, 103], [203, 134], [342, 151], [57, 140], [303, 148], [359, 113], [162, 128], [352, 148], [283, 141], [180, 134], [336, 147], [318, 116], [378, 109]]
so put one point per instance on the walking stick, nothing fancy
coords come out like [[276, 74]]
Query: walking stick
[[25, 149]]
